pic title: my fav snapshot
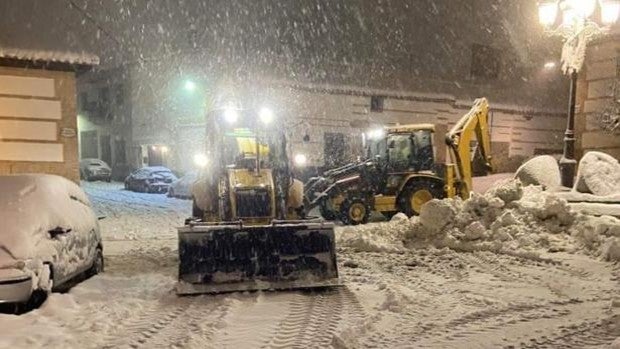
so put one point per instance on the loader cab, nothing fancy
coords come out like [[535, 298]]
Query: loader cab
[[410, 151]]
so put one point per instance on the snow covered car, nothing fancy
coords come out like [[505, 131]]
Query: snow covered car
[[181, 187], [153, 179], [95, 169], [49, 236]]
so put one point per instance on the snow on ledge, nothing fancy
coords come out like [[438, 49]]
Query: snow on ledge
[[49, 56]]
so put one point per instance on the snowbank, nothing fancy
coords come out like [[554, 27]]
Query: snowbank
[[599, 174], [541, 170], [508, 219], [379, 237]]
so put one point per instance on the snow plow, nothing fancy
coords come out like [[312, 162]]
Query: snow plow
[[248, 230]]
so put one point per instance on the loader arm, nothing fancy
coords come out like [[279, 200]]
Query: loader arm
[[459, 166]]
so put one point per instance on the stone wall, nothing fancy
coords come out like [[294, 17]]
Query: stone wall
[[38, 126]]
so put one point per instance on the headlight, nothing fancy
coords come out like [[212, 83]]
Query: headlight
[[300, 160], [201, 160]]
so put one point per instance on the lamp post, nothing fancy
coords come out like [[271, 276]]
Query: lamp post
[[577, 22]]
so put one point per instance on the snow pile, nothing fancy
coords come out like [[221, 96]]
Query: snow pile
[[599, 174], [379, 237], [515, 220], [508, 218], [541, 170]]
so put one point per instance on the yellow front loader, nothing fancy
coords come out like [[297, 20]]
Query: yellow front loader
[[248, 230]]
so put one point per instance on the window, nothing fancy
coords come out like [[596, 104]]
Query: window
[[485, 62], [335, 149], [376, 104]]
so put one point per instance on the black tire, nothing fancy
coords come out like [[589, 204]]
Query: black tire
[[98, 264], [197, 212], [354, 212], [109, 179], [418, 192], [326, 213]]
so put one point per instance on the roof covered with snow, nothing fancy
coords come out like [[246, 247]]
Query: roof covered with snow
[[78, 58]]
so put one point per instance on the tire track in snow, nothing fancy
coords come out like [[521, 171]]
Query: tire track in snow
[[169, 325], [587, 334]]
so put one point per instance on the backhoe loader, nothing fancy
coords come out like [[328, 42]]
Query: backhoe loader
[[399, 172], [248, 231]]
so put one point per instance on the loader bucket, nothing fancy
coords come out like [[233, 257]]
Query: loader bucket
[[217, 258]]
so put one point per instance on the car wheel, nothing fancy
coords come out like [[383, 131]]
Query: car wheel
[[98, 264], [109, 179]]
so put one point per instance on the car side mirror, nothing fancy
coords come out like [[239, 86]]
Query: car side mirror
[[58, 231]]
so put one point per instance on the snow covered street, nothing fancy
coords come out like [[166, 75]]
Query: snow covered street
[[390, 299]]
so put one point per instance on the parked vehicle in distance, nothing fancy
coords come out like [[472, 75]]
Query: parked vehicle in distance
[[95, 169], [181, 188], [153, 179], [50, 236]]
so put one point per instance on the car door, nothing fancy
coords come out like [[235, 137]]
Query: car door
[[75, 241]]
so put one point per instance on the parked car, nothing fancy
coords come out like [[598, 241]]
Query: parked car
[[95, 169], [181, 187], [49, 236], [153, 179]]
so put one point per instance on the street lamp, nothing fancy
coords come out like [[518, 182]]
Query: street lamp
[[265, 115], [577, 22], [190, 86]]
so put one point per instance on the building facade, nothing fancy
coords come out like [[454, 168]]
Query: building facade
[[597, 122], [38, 124], [104, 119]]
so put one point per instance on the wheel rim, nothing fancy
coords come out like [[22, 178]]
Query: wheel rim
[[357, 212], [419, 198]]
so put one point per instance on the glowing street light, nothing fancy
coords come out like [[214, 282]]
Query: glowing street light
[[610, 10], [189, 86], [265, 115], [577, 22], [231, 114], [301, 160], [201, 160], [547, 13]]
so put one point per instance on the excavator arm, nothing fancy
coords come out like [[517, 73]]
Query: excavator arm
[[459, 166]]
